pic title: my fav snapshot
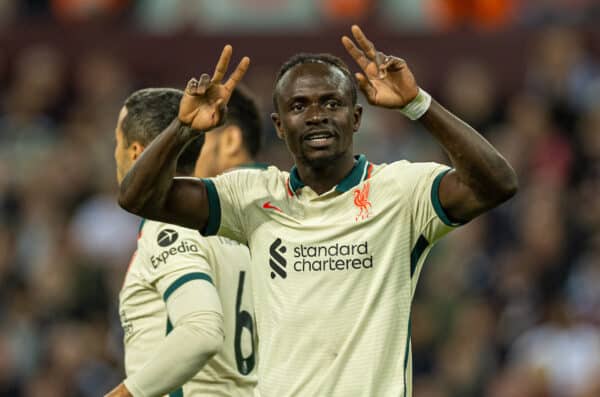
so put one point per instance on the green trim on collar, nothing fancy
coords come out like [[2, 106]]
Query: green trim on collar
[[295, 181], [356, 176]]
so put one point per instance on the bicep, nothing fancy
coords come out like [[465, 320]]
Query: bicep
[[186, 204], [460, 202]]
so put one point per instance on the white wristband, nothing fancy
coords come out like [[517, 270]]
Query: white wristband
[[418, 106]]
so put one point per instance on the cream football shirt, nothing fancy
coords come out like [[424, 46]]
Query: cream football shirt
[[333, 274], [167, 257]]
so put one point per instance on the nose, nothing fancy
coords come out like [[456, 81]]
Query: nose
[[316, 115]]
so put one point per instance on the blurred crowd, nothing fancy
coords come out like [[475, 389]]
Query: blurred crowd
[[508, 305], [268, 15]]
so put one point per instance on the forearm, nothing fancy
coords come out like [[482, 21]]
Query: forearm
[[476, 162], [197, 316], [144, 189], [181, 355]]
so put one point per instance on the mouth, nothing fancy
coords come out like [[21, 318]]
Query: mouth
[[319, 139]]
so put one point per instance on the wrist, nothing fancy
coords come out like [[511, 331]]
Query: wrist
[[183, 131], [416, 108]]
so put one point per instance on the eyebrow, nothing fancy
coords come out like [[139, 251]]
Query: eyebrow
[[326, 95]]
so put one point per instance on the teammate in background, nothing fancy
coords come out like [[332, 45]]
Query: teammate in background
[[184, 292], [338, 243]]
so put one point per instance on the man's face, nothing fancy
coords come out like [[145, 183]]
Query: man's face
[[316, 116], [125, 154]]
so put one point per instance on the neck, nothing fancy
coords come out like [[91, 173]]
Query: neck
[[322, 177], [238, 161]]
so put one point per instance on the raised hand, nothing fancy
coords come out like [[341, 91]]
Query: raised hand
[[387, 81], [203, 104]]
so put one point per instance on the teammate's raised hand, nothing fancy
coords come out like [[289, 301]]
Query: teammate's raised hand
[[386, 80], [204, 99]]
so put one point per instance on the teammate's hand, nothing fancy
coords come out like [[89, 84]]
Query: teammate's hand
[[119, 391], [387, 81], [204, 100]]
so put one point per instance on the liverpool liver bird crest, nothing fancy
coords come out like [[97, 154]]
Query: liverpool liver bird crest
[[361, 201]]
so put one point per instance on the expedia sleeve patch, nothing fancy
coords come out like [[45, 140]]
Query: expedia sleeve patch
[[170, 245], [167, 237]]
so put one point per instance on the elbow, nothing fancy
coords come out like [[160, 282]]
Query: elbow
[[510, 185], [211, 335], [506, 187], [214, 345], [129, 202]]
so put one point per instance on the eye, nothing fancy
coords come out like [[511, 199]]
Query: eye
[[332, 104], [297, 106]]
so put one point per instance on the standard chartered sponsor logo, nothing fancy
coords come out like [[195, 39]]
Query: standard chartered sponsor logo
[[181, 248], [319, 258], [276, 259], [333, 257]]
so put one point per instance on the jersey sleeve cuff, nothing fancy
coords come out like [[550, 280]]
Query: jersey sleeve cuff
[[435, 200], [214, 209], [184, 279]]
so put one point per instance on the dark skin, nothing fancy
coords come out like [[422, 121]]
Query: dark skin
[[482, 179], [317, 120], [314, 100]]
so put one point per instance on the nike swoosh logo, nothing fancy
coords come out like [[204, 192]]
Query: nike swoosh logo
[[268, 206]]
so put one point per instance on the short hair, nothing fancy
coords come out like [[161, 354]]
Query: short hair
[[149, 112], [322, 58], [243, 111]]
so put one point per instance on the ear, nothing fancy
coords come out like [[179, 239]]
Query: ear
[[277, 123], [231, 140], [135, 150], [357, 117]]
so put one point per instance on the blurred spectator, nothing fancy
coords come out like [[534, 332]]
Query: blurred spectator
[[469, 92], [84, 10], [562, 348], [346, 10], [478, 14], [230, 16]]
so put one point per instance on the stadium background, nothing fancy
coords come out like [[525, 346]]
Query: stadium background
[[508, 306]]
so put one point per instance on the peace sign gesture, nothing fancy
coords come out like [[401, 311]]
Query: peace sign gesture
[[202, 106], [387, 81]]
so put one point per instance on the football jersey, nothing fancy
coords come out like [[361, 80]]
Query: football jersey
[[333, 274], [167, 256]]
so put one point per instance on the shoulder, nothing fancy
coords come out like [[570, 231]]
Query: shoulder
[[252, 174], [404, 171], [251, 181]]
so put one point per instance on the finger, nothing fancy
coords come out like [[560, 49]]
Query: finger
[[356, 53], [364, 43], [237, 74], [395, 64], [203, 84], [383, 64], [222, 64], [365, 86], [191, 86]]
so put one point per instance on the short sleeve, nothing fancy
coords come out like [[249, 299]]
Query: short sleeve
[[430, 219], [228, 197], [174, 256]]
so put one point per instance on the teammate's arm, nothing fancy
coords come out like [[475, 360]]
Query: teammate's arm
[[482, 178], [149, 189], [195, 310]]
